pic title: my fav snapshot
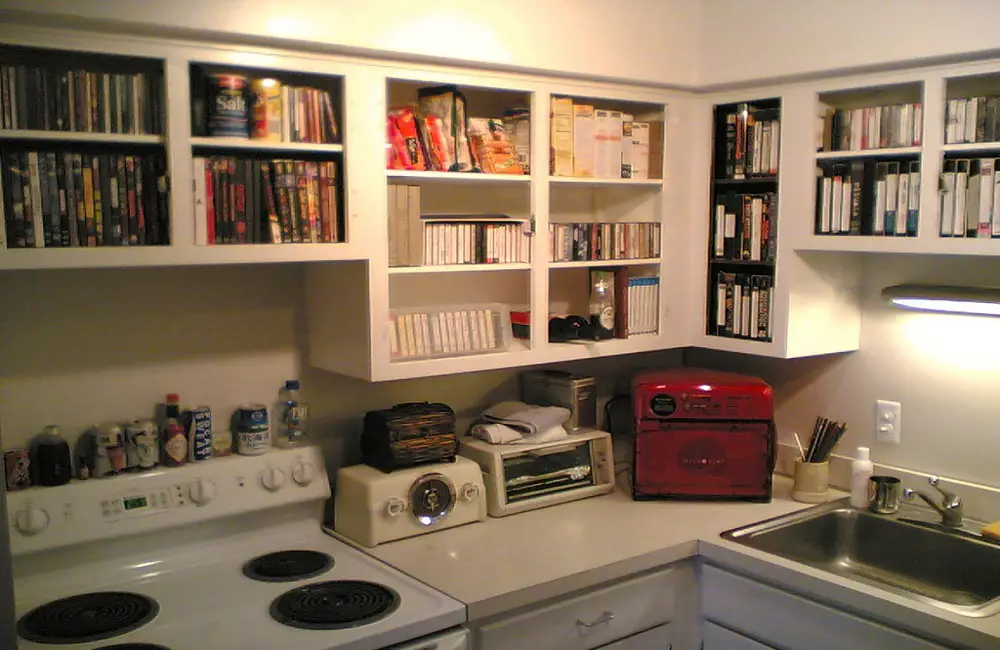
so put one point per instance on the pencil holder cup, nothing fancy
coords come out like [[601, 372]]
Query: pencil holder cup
[[812, 482]]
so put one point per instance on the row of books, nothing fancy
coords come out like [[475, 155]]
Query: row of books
[[746, 227], [437, 134], [868, 197], [643, 307], [57, 200], [973, 119], [247, 201], [590, 142], [431, 333], [464, 242], [79, 100], [970, 198], [876, 127], [753, 138], [588, 242], [743, 306]]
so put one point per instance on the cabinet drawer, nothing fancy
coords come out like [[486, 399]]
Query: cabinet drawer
[[587, 621], [656, 639], [719, 638], [785, 620]]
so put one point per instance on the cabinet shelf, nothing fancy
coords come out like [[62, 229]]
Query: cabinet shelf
[[264, 145], [902, 245], [740, 182], [585, 263], [408, 176], [457, 268], [963, 147], [75, 136], [868, 153], [617, 182]]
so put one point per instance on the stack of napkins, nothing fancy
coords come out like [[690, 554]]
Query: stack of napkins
[[517, 422]]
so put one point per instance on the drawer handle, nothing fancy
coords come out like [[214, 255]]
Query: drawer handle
[[606, 617]]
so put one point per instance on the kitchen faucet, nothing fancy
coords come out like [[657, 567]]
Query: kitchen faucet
[[950, 507]]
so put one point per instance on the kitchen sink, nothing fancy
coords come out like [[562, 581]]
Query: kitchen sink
[[955, 570]]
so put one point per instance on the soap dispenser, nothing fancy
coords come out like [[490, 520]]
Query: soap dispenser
[[861, 470]]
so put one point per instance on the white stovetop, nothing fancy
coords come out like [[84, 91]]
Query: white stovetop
[[206, 602]]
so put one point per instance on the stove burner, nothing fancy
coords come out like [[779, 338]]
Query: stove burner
[[334, 605], [285, 566], [87, 617], [133, 646]]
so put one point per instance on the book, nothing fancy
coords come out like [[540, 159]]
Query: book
[[947, 201], [613, 159], [891, 197], [627, 147], [913, 216], [602, 150], [640, 150], [987, 180], [961, 197], [972, 199]]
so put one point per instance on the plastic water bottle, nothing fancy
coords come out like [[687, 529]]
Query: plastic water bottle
[[292, 416]]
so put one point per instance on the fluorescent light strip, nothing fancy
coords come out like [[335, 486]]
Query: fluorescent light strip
[[949, 306]]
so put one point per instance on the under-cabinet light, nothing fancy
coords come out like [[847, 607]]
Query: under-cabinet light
[[979, 301]]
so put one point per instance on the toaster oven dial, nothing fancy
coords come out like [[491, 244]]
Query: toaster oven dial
[[470, 492], [395, 507]]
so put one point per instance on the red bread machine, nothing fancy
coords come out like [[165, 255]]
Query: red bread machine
[[702, 434]]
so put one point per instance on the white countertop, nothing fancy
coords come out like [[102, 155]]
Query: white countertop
[[505, 563]]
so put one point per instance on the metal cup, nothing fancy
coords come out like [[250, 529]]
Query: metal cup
[[884, 494]]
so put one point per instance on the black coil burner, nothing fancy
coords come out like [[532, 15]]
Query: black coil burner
[[133, 646], [334, 605], [87, 617], [285, 566]]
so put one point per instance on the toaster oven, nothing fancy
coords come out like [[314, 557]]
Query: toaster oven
[[525, 477], [702, 434]]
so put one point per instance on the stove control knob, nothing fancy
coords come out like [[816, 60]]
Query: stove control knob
[[470, 492], [303, 473], [203, 491], [273, 479], [31, 521], [395, 507]]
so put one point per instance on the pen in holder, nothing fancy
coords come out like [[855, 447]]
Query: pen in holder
[[812, 481]]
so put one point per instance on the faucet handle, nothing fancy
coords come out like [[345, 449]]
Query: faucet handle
[[951, 499]]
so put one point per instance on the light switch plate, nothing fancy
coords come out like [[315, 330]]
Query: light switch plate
[[888, 421]]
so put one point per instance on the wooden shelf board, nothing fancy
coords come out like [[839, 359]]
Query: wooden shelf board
[[571, 180], [457, 268], [400, 175], [75, 136], [868, 153], [264, 145], [585, 263]]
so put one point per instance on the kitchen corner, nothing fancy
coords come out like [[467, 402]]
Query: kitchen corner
[[507, 564]]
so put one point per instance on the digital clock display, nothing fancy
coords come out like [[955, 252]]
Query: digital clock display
[[131, 503]]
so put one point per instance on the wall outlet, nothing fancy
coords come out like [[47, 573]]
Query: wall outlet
[[888, 421]]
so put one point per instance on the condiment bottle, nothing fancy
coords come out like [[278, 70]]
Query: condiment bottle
[[53, 465], [861, 470], [175, 444], [292, 416]]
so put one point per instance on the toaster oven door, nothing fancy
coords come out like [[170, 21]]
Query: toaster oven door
[[548, 470], [711, 460]]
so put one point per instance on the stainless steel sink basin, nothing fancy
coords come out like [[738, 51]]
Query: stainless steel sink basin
[[950, 569]]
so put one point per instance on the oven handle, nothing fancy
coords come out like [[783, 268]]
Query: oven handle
[[548, 451]]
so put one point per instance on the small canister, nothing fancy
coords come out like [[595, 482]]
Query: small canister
[[251, 429], [228, 115], [17, 466], [266, 94], [198, 424], [222, 443], [142, 445], [53, 464], [109, 452]]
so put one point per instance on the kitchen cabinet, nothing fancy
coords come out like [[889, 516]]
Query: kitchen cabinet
[[717, 637], [629, 615], [774, 617]]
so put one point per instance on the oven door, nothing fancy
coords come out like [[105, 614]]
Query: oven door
[[704, 460], [548, 470], [454, 640]]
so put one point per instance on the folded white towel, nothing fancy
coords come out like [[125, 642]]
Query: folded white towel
[[501, 434], [527, 419]]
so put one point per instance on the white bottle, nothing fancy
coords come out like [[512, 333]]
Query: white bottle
[[861, 470]]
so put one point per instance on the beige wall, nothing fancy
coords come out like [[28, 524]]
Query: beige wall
[[943, 369], [644, 40], [768, 39], [82, 347]]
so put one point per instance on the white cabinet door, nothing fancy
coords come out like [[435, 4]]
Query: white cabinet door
[[656, 639], [719, 638], [788, 621]]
